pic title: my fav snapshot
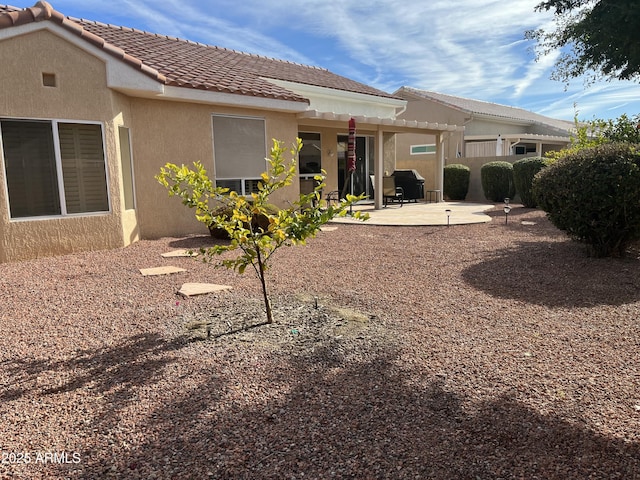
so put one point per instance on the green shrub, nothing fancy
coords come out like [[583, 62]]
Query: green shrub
[[594, 195], [523, 172], [456, 181], [497, 181]]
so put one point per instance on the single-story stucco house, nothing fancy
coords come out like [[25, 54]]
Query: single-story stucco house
[[520, 132], [90, 112]]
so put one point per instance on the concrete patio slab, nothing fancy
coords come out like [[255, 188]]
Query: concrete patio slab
[[147, 272], [193, 289], [423, 214]]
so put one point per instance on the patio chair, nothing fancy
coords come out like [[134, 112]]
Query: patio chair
[[333, 197], [390, 191]]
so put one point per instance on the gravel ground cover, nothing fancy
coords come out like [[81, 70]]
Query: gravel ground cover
[[489, 351]]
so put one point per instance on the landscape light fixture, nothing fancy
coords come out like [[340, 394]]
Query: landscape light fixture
[[507, 209], [448, 212]]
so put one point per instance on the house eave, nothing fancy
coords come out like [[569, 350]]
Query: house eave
[[523, 137], [387, 124], [307, 90], [207, 97], [343, 102]]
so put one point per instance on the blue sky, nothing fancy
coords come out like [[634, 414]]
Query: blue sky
[[469, 48]]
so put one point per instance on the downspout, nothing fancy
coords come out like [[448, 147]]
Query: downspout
[[511, 145], [440, 170], [464, 143]]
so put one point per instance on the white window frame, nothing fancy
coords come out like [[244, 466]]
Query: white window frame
[[242, 179], [243, 184], [310, 175], [60, 179], [133, 174], [430, 149]]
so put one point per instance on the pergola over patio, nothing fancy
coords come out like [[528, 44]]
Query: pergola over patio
[[386, 127]]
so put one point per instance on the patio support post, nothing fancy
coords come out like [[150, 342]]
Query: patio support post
[[440, 162], [378, 169]]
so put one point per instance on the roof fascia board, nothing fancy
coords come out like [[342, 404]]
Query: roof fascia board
[[126, 79], [194, 95], [519, 136], [500, 119]]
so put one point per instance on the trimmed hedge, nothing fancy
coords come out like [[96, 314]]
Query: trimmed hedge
[[594, 195], [456, 181], [523, 172], [497, 181]]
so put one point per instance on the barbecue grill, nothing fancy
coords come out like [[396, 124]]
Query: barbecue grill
[[411, 182]]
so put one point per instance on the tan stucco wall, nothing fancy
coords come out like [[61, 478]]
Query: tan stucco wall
[[422, 110], [425, 165], [80, 94], [181, 133], [475, 193]]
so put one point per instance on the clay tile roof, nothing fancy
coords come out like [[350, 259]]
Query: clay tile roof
[[492, 109], [187, 64]]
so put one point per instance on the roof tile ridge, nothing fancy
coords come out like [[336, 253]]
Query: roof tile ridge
[[40, 11], [74, 26]]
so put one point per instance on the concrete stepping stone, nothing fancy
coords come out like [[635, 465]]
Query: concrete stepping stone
[[192, 289], [180, 253], [161, 270], [328, 228]]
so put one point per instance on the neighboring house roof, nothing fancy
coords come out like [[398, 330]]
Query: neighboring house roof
[[182, 63], [488, 109]]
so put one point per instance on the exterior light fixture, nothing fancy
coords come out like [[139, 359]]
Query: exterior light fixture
[[506, 209], [448, 212]]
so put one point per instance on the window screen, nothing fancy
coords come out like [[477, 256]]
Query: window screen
[[239, 147], [32, 165]]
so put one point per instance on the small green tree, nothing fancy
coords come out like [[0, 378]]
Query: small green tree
[[622, 129], [591, 133], [253, 227]]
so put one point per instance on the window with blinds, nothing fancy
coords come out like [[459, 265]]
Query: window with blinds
[[36, 153], [239, 149]]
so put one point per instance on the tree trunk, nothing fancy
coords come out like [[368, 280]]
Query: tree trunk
[[267, 303]]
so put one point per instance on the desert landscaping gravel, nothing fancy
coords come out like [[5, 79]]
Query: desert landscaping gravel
[[488, 351]]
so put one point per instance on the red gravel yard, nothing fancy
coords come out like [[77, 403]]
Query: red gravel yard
[[488, 351]]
